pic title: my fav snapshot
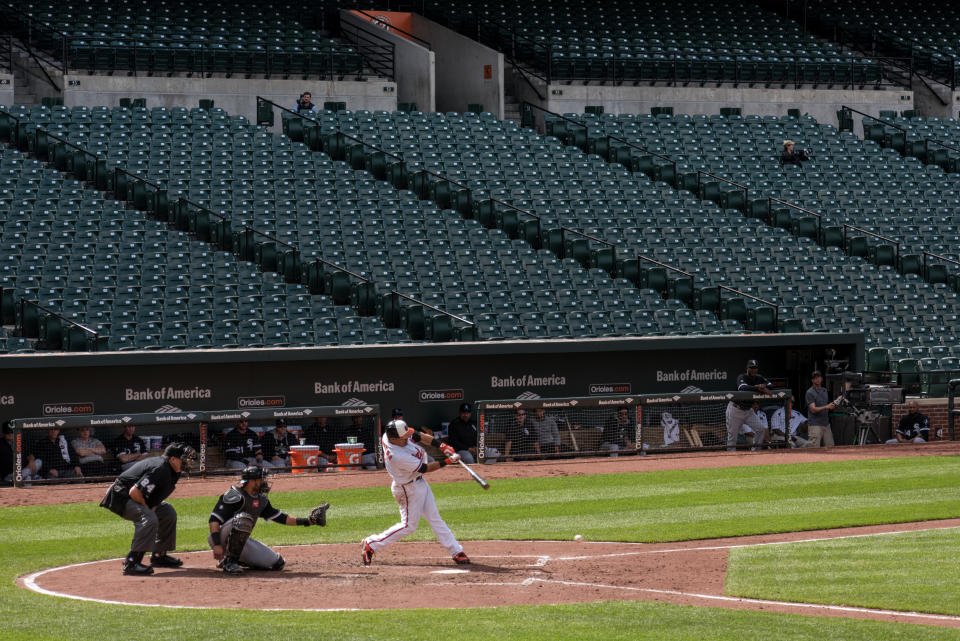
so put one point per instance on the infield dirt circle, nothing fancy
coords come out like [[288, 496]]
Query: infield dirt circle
[[332, 577]]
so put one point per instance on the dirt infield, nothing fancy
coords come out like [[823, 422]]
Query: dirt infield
[[331, 577], [503, 573]]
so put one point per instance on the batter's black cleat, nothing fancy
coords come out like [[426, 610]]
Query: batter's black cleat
[[366, 553], [460, 558], [165, 561], [231, 567], [132, 568]]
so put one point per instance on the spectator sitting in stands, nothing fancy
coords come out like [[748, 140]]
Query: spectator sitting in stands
[[91, 451], [276, 445], [324, 436], [791, 157], [521, 432], [617, 431], [305, 104], [53, 457], [914, 427], [241, 447], [129, 448], [548, 433]]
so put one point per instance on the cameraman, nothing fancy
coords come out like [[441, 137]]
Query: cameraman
[[791, 157], [305, 103]]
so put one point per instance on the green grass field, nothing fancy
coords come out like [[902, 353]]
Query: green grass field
[[659, 506]]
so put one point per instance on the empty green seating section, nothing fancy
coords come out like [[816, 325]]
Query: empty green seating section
[[623, 40], [927, 33], [237, 37], [854, 282], [140, 285]]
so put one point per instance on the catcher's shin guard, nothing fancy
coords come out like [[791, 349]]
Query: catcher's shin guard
[[238, 535]]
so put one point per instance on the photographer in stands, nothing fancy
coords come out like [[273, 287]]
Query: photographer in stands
[[305, 104], [791, 157], [914, 427]]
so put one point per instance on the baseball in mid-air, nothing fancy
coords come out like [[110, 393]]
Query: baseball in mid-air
[[578, 537]]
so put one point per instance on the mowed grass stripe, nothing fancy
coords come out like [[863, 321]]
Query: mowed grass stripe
[[915, 571], [656, 506]]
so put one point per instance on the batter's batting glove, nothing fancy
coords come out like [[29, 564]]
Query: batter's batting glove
[[453, 458], [447, 450], [318, 516]]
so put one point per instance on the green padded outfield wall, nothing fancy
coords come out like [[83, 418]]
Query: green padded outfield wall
[[428, 381]]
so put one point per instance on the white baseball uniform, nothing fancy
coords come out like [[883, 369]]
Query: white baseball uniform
[[413, 495]]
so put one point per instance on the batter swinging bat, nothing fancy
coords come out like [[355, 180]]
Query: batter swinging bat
[[476, 477]]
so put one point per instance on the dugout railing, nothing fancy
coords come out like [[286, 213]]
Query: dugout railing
[[204, 430], [593, 425]]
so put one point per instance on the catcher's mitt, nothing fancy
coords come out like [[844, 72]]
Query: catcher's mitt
[[318, 515]]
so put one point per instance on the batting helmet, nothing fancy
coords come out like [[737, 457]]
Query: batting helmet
[[397, 428]]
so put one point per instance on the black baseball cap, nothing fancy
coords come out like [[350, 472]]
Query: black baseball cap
[[6, 428], [815, 373], [281, 422], [753, 363], [396, 411], [466, 408]]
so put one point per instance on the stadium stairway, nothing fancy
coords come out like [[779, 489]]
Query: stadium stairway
[[563, 187], [124, 276], [876, 289]]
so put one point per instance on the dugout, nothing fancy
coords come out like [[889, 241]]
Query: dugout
[[203, 430], [587, 425], [429, 381]]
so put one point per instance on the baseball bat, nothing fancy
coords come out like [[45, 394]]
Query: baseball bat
[[476, 477]]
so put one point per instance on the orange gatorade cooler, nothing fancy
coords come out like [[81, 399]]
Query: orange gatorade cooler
[[301, 455], [348, 455]]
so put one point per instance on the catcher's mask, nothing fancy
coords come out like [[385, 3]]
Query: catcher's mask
[[398, 428], [255, 473], [182, 451]]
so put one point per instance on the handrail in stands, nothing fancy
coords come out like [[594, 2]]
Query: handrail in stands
[[96, 335], [895, 242], [248, 227], [804, 210], [392, 27], [670, 160], [525, 212]]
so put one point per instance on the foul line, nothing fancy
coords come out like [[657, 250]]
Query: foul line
[[710, 597], [733, 546]]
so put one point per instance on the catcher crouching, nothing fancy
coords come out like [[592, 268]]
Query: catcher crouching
[[234, 516]]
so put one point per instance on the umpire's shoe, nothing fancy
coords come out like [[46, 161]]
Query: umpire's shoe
[[133, 568], [165, 561]]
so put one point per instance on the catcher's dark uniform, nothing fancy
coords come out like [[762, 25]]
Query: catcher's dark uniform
[[237, 502]]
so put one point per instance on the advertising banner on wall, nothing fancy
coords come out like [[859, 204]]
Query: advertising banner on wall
[[428, 381]]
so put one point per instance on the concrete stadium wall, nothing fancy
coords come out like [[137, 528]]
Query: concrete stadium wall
[[415, 65], [822, 104], [6, 89], [428, 380], [461, 68], [238, 96]]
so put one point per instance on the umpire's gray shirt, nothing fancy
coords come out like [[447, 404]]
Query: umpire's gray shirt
[[819, 398]]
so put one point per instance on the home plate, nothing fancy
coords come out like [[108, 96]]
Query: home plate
[[450, 572]]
